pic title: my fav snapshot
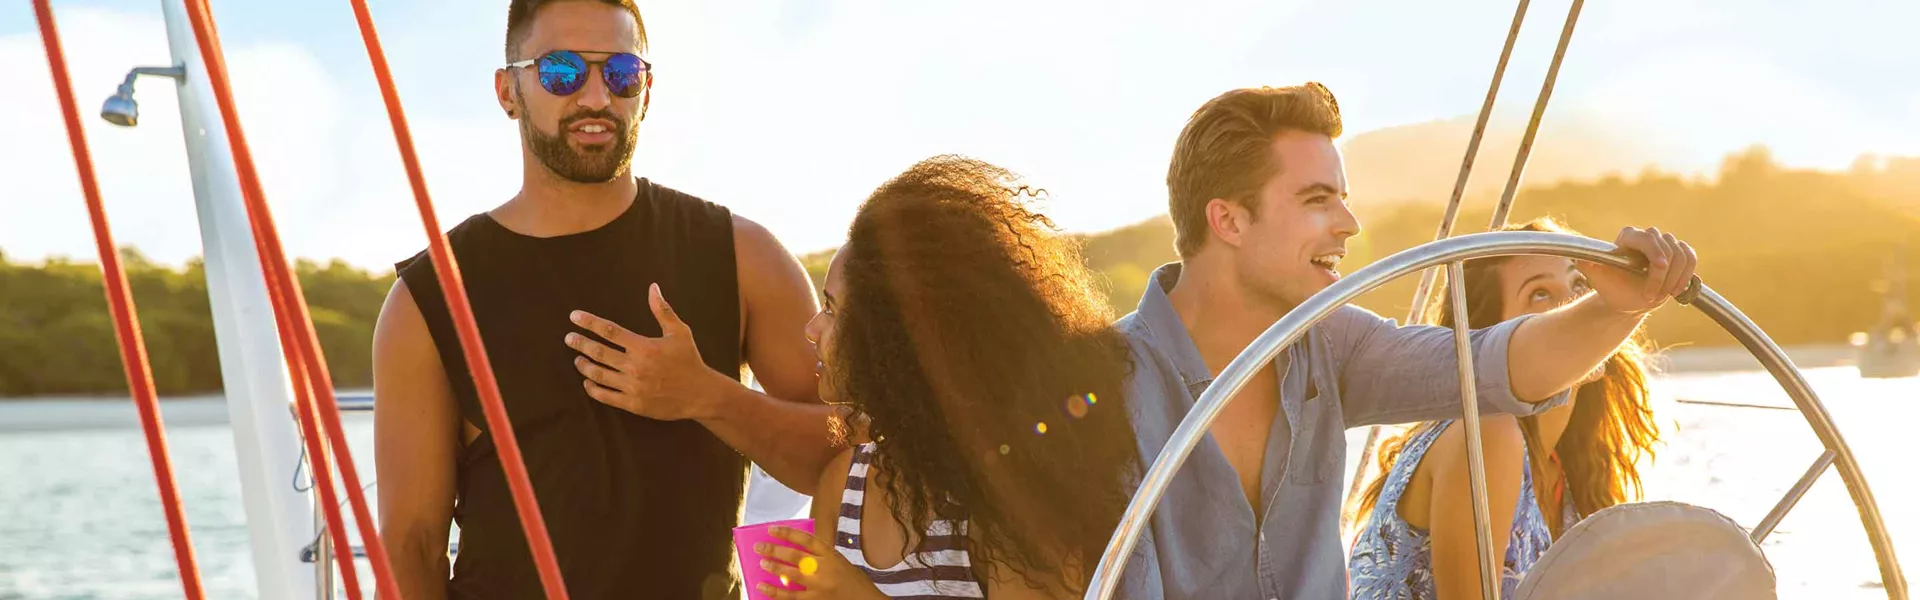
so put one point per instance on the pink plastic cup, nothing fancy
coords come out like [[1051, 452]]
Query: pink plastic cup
[[745, 536]]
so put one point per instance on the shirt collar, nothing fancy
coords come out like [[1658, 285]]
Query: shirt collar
[[1167, 334]]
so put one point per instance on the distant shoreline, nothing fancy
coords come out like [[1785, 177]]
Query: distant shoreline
[[1679, 359], [1676, 360], [189, 397], [109, 413], [1693, 359]]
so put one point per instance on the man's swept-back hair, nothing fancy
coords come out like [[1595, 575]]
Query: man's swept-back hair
[[1224, 150], [520, 18]]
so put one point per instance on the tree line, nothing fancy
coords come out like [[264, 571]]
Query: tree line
[[56, 336], [1804, 253]]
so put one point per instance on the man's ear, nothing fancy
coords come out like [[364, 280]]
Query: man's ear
[[1228, 220], [646, 97], [503, 92]]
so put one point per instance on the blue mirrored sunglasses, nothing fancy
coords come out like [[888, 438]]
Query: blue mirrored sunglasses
[[562, 72]]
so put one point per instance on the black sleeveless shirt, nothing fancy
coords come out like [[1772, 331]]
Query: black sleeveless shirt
[[636, 508]]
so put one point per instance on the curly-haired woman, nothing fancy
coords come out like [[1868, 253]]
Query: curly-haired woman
[[968, 343]]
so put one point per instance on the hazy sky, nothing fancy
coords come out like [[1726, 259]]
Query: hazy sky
[[790, 112]]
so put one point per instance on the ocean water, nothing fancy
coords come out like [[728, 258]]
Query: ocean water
[[80, 519]]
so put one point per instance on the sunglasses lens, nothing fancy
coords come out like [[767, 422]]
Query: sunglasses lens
[[561, 73], [625, 74]]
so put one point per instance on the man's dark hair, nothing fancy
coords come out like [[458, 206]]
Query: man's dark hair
[[520, 16]]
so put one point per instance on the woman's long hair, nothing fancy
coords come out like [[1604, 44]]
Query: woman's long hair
[[977, 352], [1611, 429]]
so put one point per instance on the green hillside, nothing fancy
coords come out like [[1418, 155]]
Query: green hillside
[[1803, 253]]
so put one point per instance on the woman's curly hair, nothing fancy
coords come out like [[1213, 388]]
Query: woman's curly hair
[[980, 357]]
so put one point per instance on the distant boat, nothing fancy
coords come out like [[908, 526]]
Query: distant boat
[[1891, 348], [1890, 352]]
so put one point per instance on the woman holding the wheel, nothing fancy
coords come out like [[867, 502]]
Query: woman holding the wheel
[[1544, 472]]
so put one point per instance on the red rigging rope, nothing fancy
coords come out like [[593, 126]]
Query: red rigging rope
[[448, 272], [312, 385], [133, 350]]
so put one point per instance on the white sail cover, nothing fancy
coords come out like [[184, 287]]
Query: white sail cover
[[1650, 550]]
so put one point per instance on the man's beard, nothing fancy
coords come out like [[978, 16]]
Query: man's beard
[[577, 166]]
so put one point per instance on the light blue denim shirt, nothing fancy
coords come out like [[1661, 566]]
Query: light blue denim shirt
[[1353, 369]]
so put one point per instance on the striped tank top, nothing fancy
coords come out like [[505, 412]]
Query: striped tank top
[[939, 568]]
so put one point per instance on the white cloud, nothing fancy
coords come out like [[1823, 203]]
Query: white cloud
[[142, 172], [795, 124], [328, 163], [291, 112], [471, 165], [1705, 99], [791, 112]]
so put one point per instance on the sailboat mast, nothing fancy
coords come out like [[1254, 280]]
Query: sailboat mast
[[255, 380]]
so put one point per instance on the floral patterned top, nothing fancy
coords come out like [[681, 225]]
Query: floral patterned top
[[1392, 560]]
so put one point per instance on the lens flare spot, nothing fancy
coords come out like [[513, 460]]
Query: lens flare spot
[[1092, 399], [1004, 449], [809, 565], [1040, 428], [1077, 407]]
